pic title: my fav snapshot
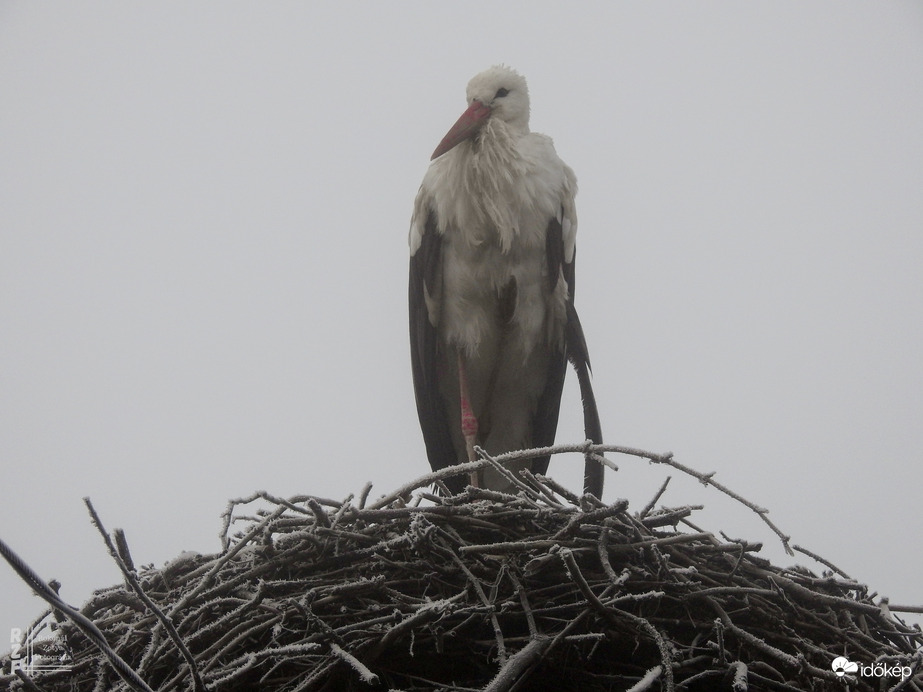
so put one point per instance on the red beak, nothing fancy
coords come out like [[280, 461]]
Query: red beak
[[464, 128]]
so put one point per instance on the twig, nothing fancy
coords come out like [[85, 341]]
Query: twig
[[510, 673], [132, 580], [648, 679], [364, 495], [575, 574], [739, 682], [526, 608], [654, 500], [365, 674], [708, 479], [822, 561], [81, 621], [28, 682], [498, 633]]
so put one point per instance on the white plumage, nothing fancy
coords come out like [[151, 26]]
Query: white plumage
[[491, 292]]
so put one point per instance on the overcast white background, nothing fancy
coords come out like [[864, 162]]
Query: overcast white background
[[203, 256]]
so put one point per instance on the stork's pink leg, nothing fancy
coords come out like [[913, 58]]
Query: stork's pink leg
[[469, 422]]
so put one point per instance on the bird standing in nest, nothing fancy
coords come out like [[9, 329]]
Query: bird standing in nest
[[492, 318]]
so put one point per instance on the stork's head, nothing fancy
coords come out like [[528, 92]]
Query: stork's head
[[496, 93]]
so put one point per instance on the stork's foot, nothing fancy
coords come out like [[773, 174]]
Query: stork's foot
[[469, 445]]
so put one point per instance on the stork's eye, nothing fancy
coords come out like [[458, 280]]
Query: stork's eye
[[501, 92]]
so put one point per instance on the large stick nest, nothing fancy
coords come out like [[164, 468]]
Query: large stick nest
[[481, 591]]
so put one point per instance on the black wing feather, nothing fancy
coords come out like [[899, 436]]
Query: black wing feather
[[546, 417], [545, 420], [426, 275], [579, 356]]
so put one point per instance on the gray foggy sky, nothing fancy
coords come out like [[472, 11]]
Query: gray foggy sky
[[203, 255]]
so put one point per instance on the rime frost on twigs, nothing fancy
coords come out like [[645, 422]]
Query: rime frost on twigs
[[484, 590]]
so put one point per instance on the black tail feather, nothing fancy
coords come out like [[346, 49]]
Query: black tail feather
[[578, 355]]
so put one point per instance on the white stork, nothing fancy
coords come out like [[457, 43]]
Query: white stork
[[492, 318]]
